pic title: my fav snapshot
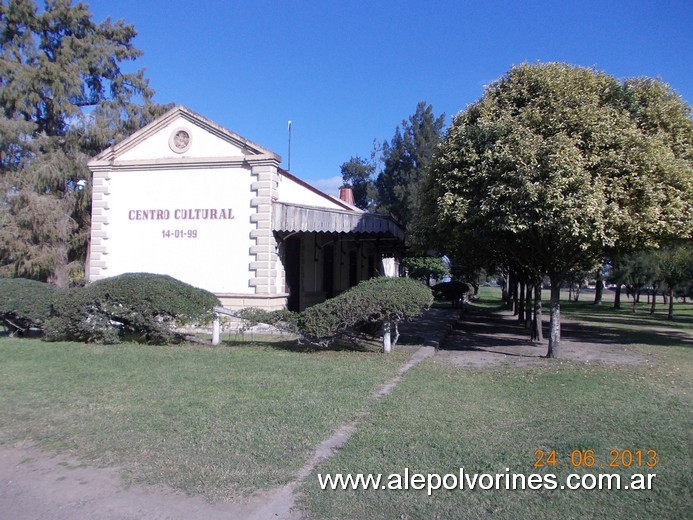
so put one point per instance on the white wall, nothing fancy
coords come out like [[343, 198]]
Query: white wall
[[209, 253], [293, 192]]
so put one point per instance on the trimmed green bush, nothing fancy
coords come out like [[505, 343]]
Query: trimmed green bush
[[25, 304], [453, 291], [377, 300], [283, 319], [145, 307]]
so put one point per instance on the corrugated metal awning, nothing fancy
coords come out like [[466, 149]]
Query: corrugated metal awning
[[295, 218]]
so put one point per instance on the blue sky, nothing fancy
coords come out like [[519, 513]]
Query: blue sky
[[348, 72]]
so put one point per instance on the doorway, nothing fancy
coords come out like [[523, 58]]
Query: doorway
[[292, 270]]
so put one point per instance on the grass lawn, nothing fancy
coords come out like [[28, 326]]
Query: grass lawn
[[219, 422], [441, 418], [585, 310], [223, 422]]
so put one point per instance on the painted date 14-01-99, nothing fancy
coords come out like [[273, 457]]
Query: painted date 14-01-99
[[179, 233]]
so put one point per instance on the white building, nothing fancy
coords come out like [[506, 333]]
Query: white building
[[188, 198]]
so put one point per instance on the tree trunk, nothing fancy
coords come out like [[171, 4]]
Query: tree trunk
[[521, 304], [570, 292], [396, 338], [599, 288], [506, 289], [216, 330], [617, 297], [537, 333], [528, 307], [670, 315], [654, 297], [555, 321], [387, 344], [60, 276], [512, 290], [514, 296]]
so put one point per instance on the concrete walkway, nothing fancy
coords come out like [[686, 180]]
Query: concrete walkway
[[433, 327]]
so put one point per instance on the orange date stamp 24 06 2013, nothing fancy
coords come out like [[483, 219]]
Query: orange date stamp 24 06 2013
[[589, 459]]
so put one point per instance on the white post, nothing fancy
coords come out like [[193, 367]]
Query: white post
[[387, 345], [216, 329]]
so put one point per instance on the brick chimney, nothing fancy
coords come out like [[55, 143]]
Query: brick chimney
[[347, 195]]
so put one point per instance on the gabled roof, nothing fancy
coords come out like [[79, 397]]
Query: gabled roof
[[329, 199], [248, 147]]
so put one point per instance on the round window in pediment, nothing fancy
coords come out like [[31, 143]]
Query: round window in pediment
[[180, 140]]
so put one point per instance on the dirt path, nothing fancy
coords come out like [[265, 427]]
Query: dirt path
[[37, 486], [280, 503]]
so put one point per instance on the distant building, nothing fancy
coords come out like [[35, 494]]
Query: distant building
[[185, 197]]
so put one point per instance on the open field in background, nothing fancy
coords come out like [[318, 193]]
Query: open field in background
[[585, 310], [223, 422]]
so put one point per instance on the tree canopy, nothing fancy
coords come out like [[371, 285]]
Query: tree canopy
[[407, 159], [357, 173], [555, 164], [390, 182], [64, 98]]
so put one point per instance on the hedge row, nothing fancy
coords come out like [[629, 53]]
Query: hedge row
[[378, 300], [25, 304], [142, 306], [149, 308]]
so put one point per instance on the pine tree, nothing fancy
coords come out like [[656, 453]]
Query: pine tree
[[406, 163], [64, 98], [357, 173]]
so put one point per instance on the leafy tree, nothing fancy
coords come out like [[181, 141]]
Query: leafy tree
[[554, 165], [425, 268], [641, 270], [406, 163], [64, 98], [676, 269], [357, 174], [576, 279]]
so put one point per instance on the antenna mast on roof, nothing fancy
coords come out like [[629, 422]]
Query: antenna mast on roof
[[289, 165]]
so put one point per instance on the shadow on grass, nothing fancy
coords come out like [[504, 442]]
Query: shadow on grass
[[480, 329], [293, 345], [635, 335], [632, 319], [683, 314]]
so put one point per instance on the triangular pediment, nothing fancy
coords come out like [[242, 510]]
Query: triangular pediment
[[181, 134]]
